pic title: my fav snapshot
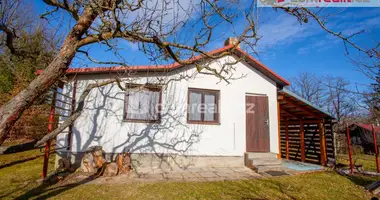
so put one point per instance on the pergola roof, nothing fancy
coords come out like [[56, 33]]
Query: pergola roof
[[294, 108]]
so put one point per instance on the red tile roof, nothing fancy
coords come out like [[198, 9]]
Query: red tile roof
[[237, 51], [168, 67], [368, 127]]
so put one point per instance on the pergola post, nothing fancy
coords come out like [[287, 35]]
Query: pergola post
[[279, 155], [287, 140], [302, 141], [322, 142]]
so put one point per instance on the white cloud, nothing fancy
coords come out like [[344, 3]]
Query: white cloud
[[320, 44], [373, 21], [283, 29], [367, 24], [133, 46], [302, 50], [162, 15]]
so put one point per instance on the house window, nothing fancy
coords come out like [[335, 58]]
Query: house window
[[203, 107], [142, 104]]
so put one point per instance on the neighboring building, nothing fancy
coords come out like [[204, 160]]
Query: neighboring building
[[240, 117]]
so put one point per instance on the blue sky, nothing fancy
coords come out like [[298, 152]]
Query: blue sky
[[298, 48], [286, 47]]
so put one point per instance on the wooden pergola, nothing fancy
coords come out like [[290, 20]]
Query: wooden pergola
[[305, 130]]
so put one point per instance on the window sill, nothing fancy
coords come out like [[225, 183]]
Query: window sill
[[203, 123], [142, 121]]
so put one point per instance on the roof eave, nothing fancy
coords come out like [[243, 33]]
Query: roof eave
[[166, 68]]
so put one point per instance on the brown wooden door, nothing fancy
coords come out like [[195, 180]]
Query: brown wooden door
[[257, 123]]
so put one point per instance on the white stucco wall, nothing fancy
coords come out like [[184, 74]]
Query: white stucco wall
[[102, 121]]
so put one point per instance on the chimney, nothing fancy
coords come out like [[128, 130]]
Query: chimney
[[231, 41]]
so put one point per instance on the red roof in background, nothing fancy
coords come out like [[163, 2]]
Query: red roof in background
[[237, 51], [368, 127]]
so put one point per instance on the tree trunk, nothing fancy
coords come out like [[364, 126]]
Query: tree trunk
[[11, 111]]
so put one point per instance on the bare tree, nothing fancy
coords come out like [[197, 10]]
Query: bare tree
[[162, 29], [369, 93], [100, 21], [340, 102], [13, 18], [309, 87], [333, 94], [371, 99]]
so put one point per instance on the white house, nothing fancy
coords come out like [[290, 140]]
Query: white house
[[173, 116]]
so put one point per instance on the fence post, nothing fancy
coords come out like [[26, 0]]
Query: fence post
[[376, 149], [349, 148]]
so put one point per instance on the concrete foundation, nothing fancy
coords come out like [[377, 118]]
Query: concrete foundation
[[164, 162]]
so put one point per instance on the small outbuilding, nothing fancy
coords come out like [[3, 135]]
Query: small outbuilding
[[168, 122], [361, 135]]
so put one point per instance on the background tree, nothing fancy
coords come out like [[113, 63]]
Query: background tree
[[309, 87], [32, 49], [333, 94], [340, 100], [20, 71], [372, 99], [368, 94]]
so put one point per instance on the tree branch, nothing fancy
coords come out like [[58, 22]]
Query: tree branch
[[10, 37], [64, 5], [76, 113], [303, 13], [100, 62]]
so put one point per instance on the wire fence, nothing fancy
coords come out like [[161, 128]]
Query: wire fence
[[352, 152]]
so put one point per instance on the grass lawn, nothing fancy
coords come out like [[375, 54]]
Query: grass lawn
[[19, 181], [368, 161]]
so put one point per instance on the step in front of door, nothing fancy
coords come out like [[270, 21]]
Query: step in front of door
[[254, 155]]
